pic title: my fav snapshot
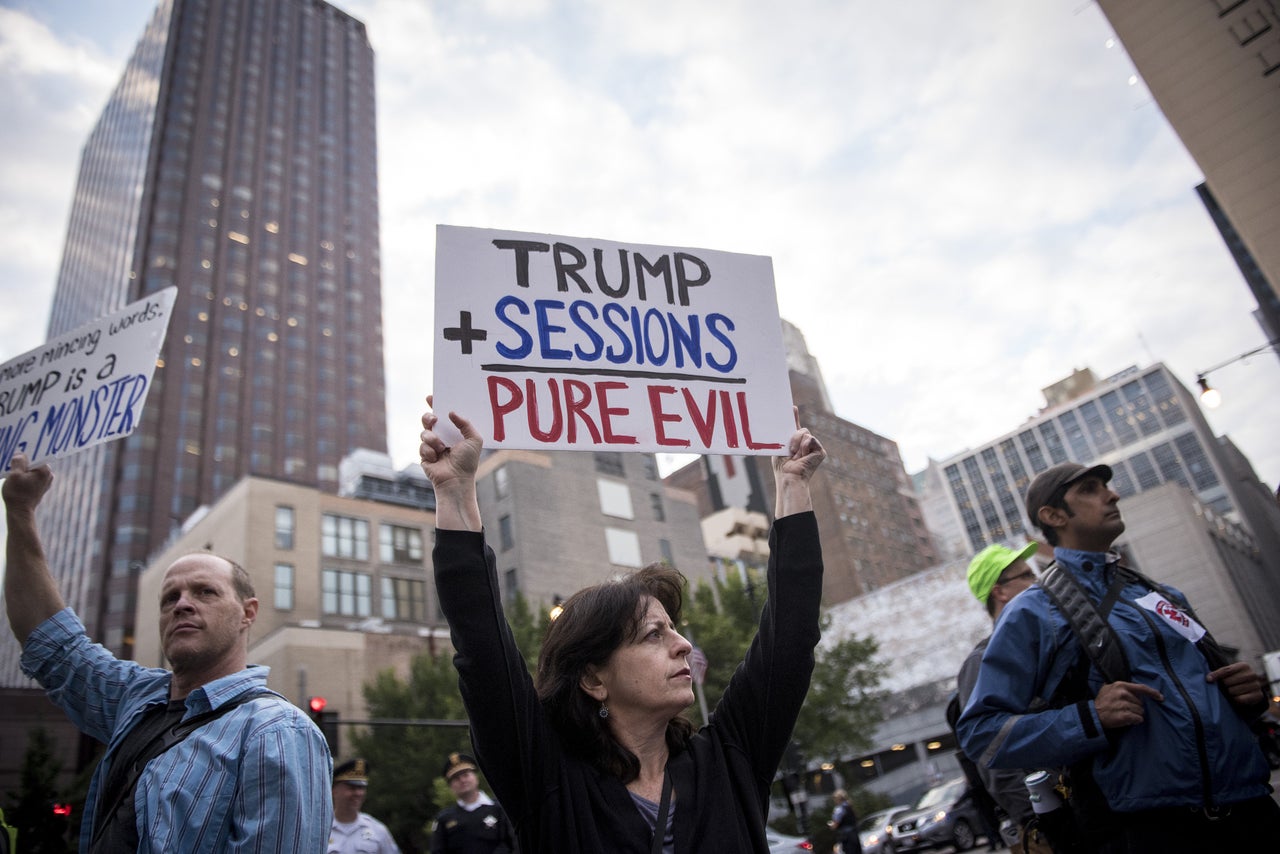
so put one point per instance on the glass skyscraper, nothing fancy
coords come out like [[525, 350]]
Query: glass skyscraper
[[235, 159]]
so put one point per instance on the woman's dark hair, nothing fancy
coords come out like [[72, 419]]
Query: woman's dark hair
[[595, 622]]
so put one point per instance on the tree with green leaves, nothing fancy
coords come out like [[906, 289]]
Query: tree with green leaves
[[405, 760], [842, 708], [30, 809]]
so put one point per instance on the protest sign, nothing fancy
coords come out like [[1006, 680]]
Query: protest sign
[[552, 342], [85, 387]]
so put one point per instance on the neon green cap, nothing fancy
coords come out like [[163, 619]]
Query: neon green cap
[[987, 565]]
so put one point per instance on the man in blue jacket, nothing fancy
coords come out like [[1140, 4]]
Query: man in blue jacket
[[1170, 750]]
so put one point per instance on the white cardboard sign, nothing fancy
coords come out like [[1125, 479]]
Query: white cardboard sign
[[552, 342], [85, 387]]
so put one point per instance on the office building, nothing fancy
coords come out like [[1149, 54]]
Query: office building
[[1143, 424], [1212, 66], [560, 521], [343, 581], [869, 518], [236, 160]]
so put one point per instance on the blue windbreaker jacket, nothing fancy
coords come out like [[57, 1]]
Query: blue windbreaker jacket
[[1192, 749]]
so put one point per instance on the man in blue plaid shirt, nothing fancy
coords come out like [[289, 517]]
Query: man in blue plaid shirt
[[200, 759]]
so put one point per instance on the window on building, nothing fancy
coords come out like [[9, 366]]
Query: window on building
[[404, 599], [346, 593], [1009, 452], [506, 536], [1197, 461], [283, 595], [343, 536], [624, 547], [1097, 428], [510, 586], [1052, 442], [1121, 482], [501, 482], [610, 462], [664, 548], [1140, 408], [1075, 436], [1119, 417], [650, 467], [285, 526], [1031, 447], [1140, 463], [1166, 400], [398, 544], [1170, 467], [615, 499], [655, 501]]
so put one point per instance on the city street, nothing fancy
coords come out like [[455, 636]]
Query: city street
[[982, 842]]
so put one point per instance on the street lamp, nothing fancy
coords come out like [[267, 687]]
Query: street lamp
[[1209, 395]]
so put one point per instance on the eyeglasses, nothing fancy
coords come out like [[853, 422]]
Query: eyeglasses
[[1027, 574]]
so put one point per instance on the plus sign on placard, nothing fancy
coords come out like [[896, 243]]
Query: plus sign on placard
[[464, 333]]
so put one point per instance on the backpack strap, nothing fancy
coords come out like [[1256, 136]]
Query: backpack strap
[[170, 737], [1089, 622]]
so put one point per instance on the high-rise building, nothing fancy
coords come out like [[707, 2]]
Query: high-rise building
[[1213, 66], [235, 159]]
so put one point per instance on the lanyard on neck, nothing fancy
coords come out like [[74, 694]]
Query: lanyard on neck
[[664, 807]]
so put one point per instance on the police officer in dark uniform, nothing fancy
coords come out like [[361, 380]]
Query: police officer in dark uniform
[[475, 824]]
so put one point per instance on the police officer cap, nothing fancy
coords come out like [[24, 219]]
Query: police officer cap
[[353, 771], [456, 764]]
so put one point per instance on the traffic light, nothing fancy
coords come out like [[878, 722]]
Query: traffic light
[[326, 721]]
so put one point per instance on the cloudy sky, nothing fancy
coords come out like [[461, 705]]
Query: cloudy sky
[[963, 201]]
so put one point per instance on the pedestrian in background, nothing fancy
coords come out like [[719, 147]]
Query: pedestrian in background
[[996, 575], [844, 821], [353, 831]]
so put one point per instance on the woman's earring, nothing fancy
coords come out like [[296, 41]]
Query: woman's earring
[[604, 711]]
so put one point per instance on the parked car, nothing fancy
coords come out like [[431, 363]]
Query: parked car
[[944, 815], [781, 843], [876, 830]]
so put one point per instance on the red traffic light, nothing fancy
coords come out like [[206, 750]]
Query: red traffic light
[[62, 809], [317, 704]]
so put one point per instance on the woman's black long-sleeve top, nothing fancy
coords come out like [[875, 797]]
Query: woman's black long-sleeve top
[[563, 805]]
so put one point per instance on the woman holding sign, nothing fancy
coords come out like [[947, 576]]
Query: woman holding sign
[[594, 753]]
